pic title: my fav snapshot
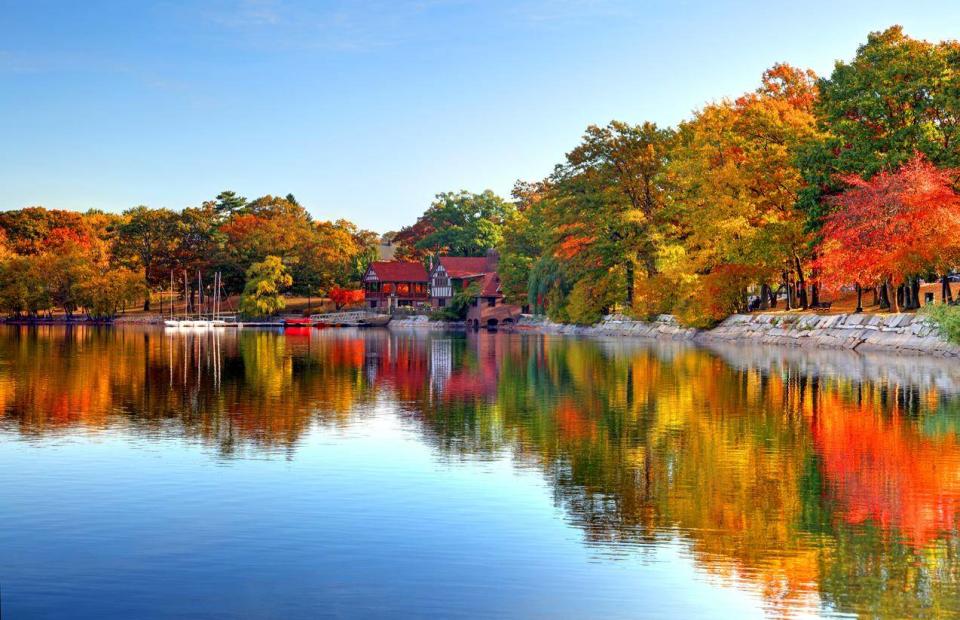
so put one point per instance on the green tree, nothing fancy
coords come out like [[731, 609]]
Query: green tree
[[897, 96], [266, 281], [228, 202], [524, 242], [460, 224]]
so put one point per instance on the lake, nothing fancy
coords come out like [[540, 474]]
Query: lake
[[346, 473]]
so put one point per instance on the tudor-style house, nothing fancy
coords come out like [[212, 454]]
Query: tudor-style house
[[392, 284], [452, 274]]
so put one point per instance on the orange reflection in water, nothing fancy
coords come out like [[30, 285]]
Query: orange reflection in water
[[883, 469]]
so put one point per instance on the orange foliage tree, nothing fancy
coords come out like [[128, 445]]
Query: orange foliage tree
[[892, 226], [345, 297]]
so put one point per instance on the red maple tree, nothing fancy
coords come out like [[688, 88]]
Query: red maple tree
[[894, 225], [345, 297]]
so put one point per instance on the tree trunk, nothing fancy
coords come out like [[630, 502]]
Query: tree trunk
[[900, 298], [764, 297], [146, 302], [876, 296], [892, 297], [801, 284], [773, 297], [946, 295], [884, 297], [859, 298], [815, 294], [630, 284], [916, 293]]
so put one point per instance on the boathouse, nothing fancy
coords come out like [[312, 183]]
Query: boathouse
[[452, 274], [394, 284]]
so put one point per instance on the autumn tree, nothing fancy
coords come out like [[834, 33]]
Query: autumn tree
[[887, 228], [733, 187], [606, 198], [345, 297], [148, 239], [34, 229], [266, 281]]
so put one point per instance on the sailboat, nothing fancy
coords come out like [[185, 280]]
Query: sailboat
[[172, 321], [185, 321], [216, 320]]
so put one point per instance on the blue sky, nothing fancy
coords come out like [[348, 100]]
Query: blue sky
[[365, 110]]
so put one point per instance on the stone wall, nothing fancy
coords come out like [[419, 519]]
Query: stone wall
[[907, 333], [904, 333], [665, 327], [421, 321]]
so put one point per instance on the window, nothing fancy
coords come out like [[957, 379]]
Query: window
[[491, 301], [403, 289], [373, 303], [387, 288], [441, 302]]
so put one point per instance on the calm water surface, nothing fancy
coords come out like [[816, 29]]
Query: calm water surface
[[376, 474]]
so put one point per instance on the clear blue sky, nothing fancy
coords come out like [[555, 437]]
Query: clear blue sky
[[364, 110]]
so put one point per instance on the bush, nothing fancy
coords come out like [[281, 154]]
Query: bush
[[947, 318]]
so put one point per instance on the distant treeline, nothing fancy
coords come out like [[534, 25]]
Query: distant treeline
[[101, 262]]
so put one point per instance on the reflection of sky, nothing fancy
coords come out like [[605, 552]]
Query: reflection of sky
[[362, 520]]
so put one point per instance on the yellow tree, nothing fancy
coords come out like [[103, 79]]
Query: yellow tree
[[733, 191]]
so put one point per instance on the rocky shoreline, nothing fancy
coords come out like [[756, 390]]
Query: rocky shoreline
[[900, 333]]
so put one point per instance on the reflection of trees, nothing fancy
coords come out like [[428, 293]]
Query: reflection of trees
[[231, 389], [741, 460], [808, 478]]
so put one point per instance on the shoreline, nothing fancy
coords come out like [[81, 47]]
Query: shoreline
[[903, 333]]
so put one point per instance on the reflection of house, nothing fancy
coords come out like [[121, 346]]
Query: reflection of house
[[452, 274], [389, 284]]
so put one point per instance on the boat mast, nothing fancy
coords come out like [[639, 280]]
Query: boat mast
[[199, 295]]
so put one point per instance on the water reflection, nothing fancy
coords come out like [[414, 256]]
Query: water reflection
[[820, 480]]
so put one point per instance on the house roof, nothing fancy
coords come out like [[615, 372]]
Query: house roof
[[465, 266], [399, 271], [490, 286]]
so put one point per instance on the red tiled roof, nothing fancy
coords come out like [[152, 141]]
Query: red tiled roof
[[399, 271], [465, 266], [490, 287]]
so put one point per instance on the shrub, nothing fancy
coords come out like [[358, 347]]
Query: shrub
[[945, 317]]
